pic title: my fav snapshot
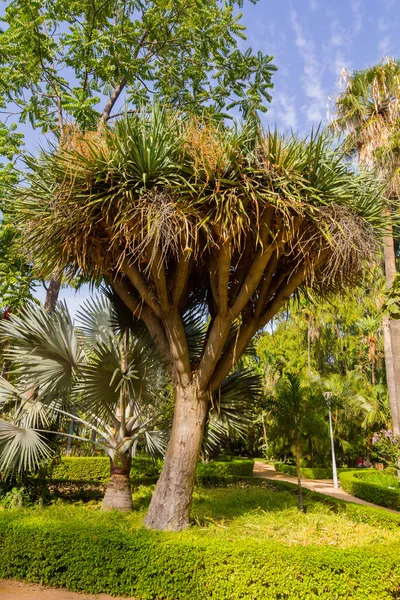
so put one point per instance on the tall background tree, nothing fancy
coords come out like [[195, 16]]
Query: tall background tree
[[368, 111], [174, 211], [65, 64]]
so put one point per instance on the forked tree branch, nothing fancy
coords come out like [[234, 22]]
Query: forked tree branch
[[137, 280], [239, 344]]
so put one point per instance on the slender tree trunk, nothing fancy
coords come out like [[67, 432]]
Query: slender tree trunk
[[69, 440], [299, 488], [172, 498], [391, 333], [53, 290], [118, 494]]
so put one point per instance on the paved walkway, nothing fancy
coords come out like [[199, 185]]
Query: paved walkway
[[323, 486], [18, 590]]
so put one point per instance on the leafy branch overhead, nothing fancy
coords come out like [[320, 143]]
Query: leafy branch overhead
[[72, 60]]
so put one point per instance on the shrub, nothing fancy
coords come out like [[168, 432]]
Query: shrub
[[233, 468], [99, 552], [86, 468], [308, 472], [82, 468], [373, 487]]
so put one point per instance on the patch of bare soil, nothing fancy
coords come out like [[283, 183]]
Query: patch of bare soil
[[17, 590]]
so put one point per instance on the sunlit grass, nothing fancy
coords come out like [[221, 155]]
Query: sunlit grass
[[234, 513]]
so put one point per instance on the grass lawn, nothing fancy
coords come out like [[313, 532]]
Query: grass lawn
[[247, 542]]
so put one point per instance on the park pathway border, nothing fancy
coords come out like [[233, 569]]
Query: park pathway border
[[322, 486]]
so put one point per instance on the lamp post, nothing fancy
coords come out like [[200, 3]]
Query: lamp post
[[334, 469]]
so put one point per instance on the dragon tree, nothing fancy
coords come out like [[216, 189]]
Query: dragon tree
[[178, 215]]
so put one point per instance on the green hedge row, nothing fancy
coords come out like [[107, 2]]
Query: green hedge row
[[70, 547], [75, 468], [357, 484], [308, 472], [85, 468]]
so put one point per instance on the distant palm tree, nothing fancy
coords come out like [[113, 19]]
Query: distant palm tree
[[368, 110], [289, 409]]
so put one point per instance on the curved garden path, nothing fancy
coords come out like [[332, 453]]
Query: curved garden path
[[322, 486], [16, 590]]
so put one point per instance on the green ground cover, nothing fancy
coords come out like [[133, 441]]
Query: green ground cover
[[246, 541]]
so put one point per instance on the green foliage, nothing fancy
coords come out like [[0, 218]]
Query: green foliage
[[372, 486], [341, 332], [84, 468], [235, 467], [16, 274], [83, 549], [70, 56], [392, 301], [308, 472]]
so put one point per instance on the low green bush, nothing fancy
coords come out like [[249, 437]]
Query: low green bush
[[97, 468], [94, 552], [308, 472], [372, 486], [75, 468], [236, 467]]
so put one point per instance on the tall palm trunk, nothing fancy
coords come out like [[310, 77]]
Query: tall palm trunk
[[391, 328], [170, 505], [118, 495], [391, 333]]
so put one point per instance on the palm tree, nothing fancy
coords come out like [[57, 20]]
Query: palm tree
[[290, 408], [368, 110], [106, 377], [172, 211], [101, 375]]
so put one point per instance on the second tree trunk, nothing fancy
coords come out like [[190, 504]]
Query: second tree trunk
[[118, 494]]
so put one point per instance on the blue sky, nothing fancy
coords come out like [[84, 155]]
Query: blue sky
[[312, 42]]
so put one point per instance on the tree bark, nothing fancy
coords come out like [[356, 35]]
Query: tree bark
[[53, 290], [170, 505], [118, 494], [299, 488], [391, 333]]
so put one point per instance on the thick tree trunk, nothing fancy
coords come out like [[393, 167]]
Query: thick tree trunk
[[172, 498], [118, 494], [52, 293]]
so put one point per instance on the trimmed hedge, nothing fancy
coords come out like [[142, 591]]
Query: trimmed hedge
[[86, 468], [82, 468], [308, 472], [236, 467], [357, 484], [99, 552]]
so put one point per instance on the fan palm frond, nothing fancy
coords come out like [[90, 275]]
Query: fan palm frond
[[21, 448], [44, 350]]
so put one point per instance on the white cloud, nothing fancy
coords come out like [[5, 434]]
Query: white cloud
[[312, 73], [285, 110], [389, 3], [313, 4], [384, 46], [357, 15]]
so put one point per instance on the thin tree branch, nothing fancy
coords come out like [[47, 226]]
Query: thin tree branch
[[121, 85]]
